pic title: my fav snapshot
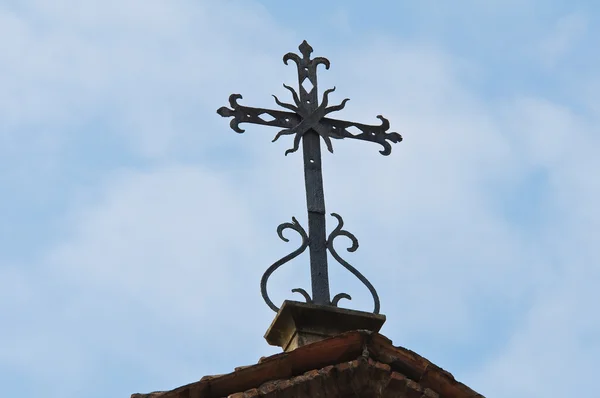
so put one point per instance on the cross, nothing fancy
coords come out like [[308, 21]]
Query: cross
[[307, 123]]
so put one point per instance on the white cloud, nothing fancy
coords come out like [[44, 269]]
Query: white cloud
[[444, 247], [567, 31], [556, 343], [157, 253], [68, 63], [341, 21]]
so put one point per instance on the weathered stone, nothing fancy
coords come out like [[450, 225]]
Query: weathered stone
[[298, 324]]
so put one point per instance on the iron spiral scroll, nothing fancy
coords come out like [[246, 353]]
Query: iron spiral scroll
[[337, 232]]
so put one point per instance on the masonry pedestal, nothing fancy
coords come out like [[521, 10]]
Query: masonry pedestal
[[298, 324]]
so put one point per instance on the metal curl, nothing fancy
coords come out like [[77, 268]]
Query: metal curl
[[304, 293], [282, 132], [235, 125], [285, 105], [294, 96], [325, 100], [322, 61], [297, 139], [387, 148], [293, 57], [324, 133], [295, 225], [328, 142], [233, 100], [336, 108], [338, 231], [338, 297], [385, 124]]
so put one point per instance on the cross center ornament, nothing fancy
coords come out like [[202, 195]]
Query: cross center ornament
[[307, 122]]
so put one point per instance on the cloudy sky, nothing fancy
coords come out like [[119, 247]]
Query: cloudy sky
[[135, 224]]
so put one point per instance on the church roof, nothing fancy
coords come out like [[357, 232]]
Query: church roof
[[353, 364]]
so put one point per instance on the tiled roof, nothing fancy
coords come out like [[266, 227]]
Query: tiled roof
[[353, 364]]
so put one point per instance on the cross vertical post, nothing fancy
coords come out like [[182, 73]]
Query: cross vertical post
[[315, 196]]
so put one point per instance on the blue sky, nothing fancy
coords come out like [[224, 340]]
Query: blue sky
[[136, 225]]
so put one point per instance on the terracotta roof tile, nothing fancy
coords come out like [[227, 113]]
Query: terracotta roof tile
[[350, 364]]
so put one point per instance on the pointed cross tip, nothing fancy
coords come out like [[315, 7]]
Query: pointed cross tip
[[223, 111], [305, 49]]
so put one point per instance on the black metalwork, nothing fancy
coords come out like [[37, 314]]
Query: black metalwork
[[307, 122], [295, 225], [338, 231]]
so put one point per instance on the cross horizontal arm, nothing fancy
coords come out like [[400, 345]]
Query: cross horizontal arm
[[326, 127], [338, 129], [246, 114]]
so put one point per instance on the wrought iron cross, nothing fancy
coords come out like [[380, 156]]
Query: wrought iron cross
[[307, 122]]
